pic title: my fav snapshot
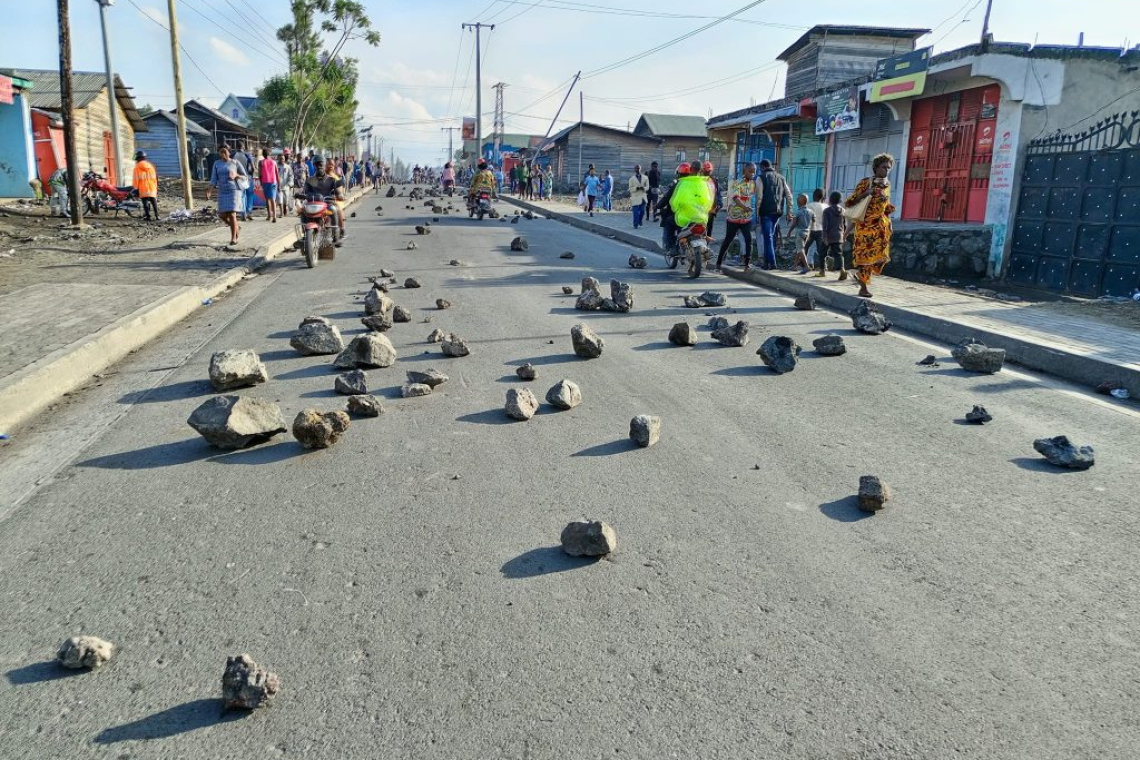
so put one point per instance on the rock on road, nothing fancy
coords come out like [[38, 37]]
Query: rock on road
[[408, 586]]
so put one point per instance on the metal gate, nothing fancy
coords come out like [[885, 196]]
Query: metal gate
[[803, 162], [752, 149], [1077, 227]]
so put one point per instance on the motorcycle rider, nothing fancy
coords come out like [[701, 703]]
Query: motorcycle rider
[[330, 170], [663, 212], [691, 200], [484, 179], [321, 185]]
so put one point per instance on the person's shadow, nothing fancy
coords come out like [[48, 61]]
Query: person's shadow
[[180, 719]]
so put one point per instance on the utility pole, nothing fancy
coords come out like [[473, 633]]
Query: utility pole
[[183, 156], [986, 26], [499, 127], [450, 141], [111, 96], [581, 129], [564, 99], [477, 26], [67, 111]]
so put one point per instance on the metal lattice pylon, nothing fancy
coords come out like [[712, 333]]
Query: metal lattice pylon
[[499, 128]]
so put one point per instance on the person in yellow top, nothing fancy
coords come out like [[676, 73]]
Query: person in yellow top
[[146, 183], [330, 171]]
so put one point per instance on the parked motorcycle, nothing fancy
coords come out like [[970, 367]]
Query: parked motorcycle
[[480, 205], [318, 229], [100, 195], [693, 248]]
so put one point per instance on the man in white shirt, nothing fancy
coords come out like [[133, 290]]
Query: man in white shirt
[[638, 194], [815, 234]]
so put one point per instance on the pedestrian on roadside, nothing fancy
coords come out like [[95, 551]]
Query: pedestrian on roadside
[[592, 185], [872, 247], [802, 222], [524, 180], [284, 183], [548, 186], [815, 235], [654, 193], [224, 175], [834, 227], [145, 181], [638, 195], [58, 203], [607, 191], [200, 164], [718, 199], [742, 195], [246, 162], [267, 171], [775, 201]]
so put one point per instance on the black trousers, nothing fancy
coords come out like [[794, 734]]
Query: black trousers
[[833, 249], [150, 205], [732, 229]]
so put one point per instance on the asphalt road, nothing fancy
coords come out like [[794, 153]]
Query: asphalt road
[[407, 586]]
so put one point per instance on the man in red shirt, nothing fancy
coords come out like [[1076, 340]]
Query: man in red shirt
[[267, 173]]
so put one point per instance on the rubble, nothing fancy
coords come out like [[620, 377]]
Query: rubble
[[1062, 452], [588, 538], [411, 246], [412, 390], [437, 336], [645, 430], [520, 244], [317, 338], [866, 318], [401, 314], [375, 302], [442, 303], [315, 429], [521, 404], [780, 354], [682, 334], [735, 336], [236, 368], [428, 377], [235, 422], [978, 415], [718, 323], [246, 685], [377, 322], [692, 302], [709, 298], [527, 372], [873, 493], [411, 282], [590, 300], [805, 302], [590, 283], [830, 345], [637, 262], [455, 263], [930, 361], [455, 346], [365, 406], [80, 652], [567, 290], [587, 343], [974, 356], [387, 273], [369, 350], [313, 319], [565, 394], [621, 296], [352, 383], [566, 255]]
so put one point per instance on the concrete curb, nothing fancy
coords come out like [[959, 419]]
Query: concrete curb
[[28, 391], [1084, 370]]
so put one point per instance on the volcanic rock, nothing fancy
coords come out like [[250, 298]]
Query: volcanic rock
[[587, 343], [978, 415], [369, 350], [868, 319], [520, 244], [645, 430], [234, 422], [80, 652], [830, 345], [682, 334], [621, 293], [442, 303], [566, 255], [401, 314], [521, 404], [1062, 452], [873, 493], [352, 383], [246, 685], [637, 262], [736, 336], [717, 323], [588, 538], [780, 354], [411, 282], [365, 406], [590, 283], [236, 368], [709, 298], [314, 429], [567, 290], [527, 372], [565, 394], [975, 356], [805, 302]]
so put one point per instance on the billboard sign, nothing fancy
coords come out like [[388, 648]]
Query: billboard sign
[[901, 76], [468, 128], [6, 90], [837, 111]]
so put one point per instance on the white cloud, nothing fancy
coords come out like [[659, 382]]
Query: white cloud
[[154, 14], [228, 52]]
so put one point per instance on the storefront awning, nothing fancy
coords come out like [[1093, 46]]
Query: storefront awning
[[770, 116]]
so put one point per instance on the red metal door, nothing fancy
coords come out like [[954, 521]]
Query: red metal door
[[109, 159], [948, 162]]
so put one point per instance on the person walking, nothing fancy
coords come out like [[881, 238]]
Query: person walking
[[145, 181], [592, 185], [58, 203], [524, 181], [607, 191], [284, 183], [267, 172], [246, 162], [742, 197], [548, 185], [224, 175], [654, 193], [871, 208], [834, 226], [815, 235], [638, 195], [802, 222], [718, 199], [775, 201]]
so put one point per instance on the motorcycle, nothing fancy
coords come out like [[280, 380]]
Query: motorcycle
[[693, 248], [100, 195], [318, 229], [480, 204]]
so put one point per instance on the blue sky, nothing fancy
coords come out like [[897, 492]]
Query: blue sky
[[421, 77]]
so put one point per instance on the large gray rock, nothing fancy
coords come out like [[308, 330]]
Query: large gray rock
[[873, 493], [317, 338], [868, 319], [365, 406], [80, 652], [637, 262], [588, 538], [375, 302], [413, 390], [693, 302], [717, 323], [315, 429], [1062, 452], [975, 356], [455, 346], [780, 354], [709, 298], [590, 300], [378, 322], [735, 336], [978, 415], [806, 302], [314, 319], [352, 383], [429, 377], [830, 345], [236, 368], [369, 350], [645, 430], [246, 685], [587, 343], [621, 293], [411, 283], [520, 244], [521, 404], [401, 314], [683, 334], [590, 283], [234, 422], [565, 394], [527, 372]]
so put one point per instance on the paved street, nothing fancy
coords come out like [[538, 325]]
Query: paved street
[[407, 583]]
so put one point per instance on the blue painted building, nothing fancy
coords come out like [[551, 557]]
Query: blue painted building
[[160, 143], [17, 150]]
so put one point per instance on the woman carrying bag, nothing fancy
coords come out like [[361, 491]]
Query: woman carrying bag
[[870, 208]]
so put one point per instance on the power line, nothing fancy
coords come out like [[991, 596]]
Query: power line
[[714, 84], [455, 72], [252, 27], [180, 47], [259, 50], [562, 5], [530, 7], [954, 28]]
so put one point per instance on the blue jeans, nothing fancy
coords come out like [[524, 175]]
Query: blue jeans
[[768, 224], [249, 196], [608, 201], [638, 215]]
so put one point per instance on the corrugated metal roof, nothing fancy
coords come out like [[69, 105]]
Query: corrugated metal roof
[[85, 87], [669, 125], [841, 30], [191, 127]]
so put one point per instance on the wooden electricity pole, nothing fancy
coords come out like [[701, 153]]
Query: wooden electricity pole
[[67, 112], [183, 142]]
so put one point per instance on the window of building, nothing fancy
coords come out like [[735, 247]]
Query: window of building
[[682, 155], [234, 113]]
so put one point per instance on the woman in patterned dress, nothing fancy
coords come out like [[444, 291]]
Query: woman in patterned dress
[[872, 247]]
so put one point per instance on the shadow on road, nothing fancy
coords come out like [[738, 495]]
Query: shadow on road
[[159, 455], [172, 392], [189, 716], [543, 561], [657, 346], [606, 449], [48, 670], [314, 370], [1034, 464], [277, 452], [844, 510], [489, 417], [538, 361], [751, 370]]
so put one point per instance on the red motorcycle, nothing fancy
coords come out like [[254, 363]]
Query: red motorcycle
[[100, 195], [319, 229]]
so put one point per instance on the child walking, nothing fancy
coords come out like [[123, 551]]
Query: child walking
[[801, 232], [833, 234]]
